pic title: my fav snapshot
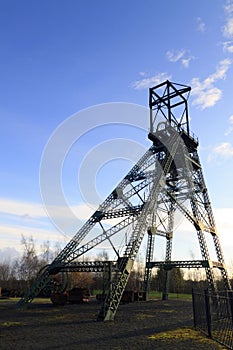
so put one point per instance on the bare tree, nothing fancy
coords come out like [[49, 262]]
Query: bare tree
[[5, 271], [27, 266], [46, 254], [102, 256]]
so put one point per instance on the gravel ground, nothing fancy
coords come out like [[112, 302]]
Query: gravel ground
[[165, 325]]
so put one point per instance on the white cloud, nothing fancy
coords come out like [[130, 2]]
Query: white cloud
[[220, 73], [201, 25], [186, 61], [11, 235], [230, 129], [20, 217], [26, 210], [221, 152], [13, 223], [228, 46], [228, 28], [175, 55], [204, 92], [81, 211], [13, 207], [224, 150], [179, 55], [8, 254], [148, 82], [229, 7], [207, 98], [30, 218], [142, 74]]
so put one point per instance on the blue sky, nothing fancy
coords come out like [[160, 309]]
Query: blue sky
[[60, 57]]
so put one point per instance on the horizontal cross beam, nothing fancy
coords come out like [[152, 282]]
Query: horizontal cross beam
[[196, 264]]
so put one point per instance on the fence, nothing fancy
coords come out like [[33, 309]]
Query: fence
[[213, 315]]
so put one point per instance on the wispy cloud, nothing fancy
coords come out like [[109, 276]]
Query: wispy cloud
[[227, 29], [31, 219], [205, 97], [229, 7], [148, 82], [186, 61], [230, 129], [175, 55], [11, 238], [8, 254], [224, 151], [27, 210], [142, 74], [11, 234], [228, 46], [181, 55], [21, 209], [201, 27], [204, 92]]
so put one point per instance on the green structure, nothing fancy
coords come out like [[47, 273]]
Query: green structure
[[167, 178]]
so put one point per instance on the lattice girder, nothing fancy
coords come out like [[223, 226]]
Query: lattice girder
[[167, 177], [112, 300], [119, 204]]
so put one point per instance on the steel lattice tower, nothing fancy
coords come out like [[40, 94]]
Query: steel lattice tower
[[168, 177], [184, 190]]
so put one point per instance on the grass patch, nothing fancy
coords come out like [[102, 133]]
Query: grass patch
[[144, 316], [180, 333], [158, 295], [184, 334], [6, 300], [15, 301], [42, 300], [167, 311], [11, 324]]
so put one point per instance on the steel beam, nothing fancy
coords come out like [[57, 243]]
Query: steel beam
[[167, 177]]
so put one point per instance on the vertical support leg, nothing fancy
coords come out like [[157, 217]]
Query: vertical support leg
[[166, 285], [168, 249], [206, 256], [166, 275], [149, 258]]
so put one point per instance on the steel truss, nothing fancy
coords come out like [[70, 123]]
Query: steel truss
[[88, 266], [195, 264], [168, 177], [185, 189]]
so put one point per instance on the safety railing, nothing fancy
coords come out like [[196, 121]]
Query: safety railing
[[213, 315]]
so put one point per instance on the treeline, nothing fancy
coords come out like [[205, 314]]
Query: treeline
[[18, 276], [177, 281]]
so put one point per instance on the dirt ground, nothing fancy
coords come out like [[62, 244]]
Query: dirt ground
[[165, 325]]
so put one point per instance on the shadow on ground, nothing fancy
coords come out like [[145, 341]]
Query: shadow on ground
[[163, 325]]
